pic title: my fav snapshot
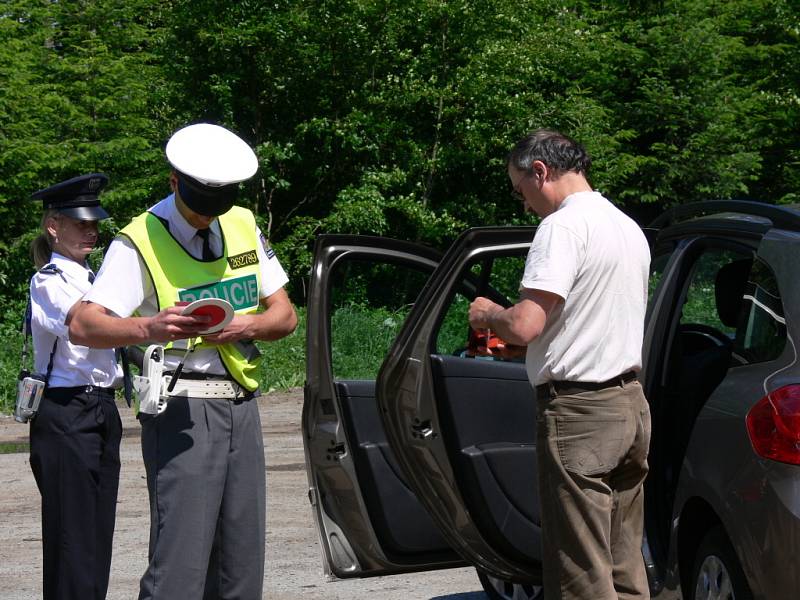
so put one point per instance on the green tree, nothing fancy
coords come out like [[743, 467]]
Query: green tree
[[77, 96]]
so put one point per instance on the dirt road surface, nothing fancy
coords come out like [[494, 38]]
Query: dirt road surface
[[293, 568]]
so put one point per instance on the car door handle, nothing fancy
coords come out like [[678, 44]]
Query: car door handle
[[421, 429], [336, 451]]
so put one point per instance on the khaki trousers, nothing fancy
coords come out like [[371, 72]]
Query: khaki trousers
[[592, 452]]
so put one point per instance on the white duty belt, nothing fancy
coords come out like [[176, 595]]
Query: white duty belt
[[152, 386], [202, 388]]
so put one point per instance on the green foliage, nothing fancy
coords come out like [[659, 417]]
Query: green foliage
[[11, 353], [78, 94], [453, 334], [387, 118], [283, 365], [360, 338]]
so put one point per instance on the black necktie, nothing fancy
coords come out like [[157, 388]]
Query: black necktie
[[205, 234], [91, 277]]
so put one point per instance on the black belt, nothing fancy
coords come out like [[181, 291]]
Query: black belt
[[567, 388], [64, 393]]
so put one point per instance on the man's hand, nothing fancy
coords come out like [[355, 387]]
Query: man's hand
[[169, 325], [480, 311], [519, 324], [234, 331], [95, 326], [276, 321]]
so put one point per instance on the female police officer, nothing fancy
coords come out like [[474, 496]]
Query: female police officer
[[75, 435]]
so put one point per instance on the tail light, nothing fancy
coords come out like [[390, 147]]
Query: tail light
[[773, 425]]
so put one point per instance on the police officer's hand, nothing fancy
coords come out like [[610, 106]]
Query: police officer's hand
[[169, 325], [237, 329]]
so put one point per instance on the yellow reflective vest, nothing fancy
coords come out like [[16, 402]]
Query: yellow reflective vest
[[235, 277]]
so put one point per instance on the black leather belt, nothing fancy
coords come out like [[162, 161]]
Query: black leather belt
[[66, 393], [567, 388]]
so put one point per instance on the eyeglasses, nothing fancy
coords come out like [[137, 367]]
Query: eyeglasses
[[515, 193]]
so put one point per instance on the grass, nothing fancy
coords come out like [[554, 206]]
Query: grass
[[10, 362], [284, 362], [283, 366], [360, 339]]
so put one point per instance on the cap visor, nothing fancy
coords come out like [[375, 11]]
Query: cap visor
[[204, 200], [85, 213]]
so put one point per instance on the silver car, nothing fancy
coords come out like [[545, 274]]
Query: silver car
[[420, 437]]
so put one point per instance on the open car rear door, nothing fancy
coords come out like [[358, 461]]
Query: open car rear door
[[462, 427], [369, 520]]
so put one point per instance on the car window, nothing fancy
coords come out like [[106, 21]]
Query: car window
[[369, 302], [761, 331], [701, 304], [497, 278], [734, 299], [657, 265]]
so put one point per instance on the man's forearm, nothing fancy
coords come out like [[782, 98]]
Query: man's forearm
[[94, 326], [275, 323], [514, 327], [91, 326]]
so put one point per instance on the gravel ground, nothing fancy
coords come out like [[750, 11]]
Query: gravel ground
[[294, 565]]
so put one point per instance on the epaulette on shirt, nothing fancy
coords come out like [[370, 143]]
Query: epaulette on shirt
[[51, 269]]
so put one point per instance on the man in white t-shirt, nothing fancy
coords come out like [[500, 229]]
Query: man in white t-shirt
[[204, 453], [581, 314]]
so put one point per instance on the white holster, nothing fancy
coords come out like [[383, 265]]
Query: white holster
[[152, 387], [148, 385]]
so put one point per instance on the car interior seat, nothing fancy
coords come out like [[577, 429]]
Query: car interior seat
[[704, 353]]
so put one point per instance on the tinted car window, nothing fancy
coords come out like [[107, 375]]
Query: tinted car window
[[657, 265], [702, 303], [369, 303], [497, 278], [761, 334]]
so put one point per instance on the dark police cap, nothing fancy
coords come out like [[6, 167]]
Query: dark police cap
[[77, 197]]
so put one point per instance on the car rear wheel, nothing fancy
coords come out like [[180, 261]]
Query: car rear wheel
[[717, 574], [497, 589]]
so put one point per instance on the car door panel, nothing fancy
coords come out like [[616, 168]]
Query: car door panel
[[463, 428], [488, 417], [369, 521], [401, 523]]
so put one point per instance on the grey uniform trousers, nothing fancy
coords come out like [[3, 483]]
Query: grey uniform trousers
[[592, 452], [207, 485]]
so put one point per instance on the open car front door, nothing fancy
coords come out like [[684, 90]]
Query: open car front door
[[461, 419], [369, 520]]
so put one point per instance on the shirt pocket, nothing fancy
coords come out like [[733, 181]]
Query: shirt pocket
[[590, 444]]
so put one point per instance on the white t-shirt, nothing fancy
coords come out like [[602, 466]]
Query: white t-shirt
[[123, 284], [597, 259], [52, 296]]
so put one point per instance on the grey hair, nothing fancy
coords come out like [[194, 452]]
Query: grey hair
[[560, 153]]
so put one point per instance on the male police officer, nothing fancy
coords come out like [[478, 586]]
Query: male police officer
[[203, 454]]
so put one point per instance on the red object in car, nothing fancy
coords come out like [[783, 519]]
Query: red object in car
[[487, 343], [773, 425]]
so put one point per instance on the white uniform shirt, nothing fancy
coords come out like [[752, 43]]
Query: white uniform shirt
[[123, 284], [597, 259], [52, 296]]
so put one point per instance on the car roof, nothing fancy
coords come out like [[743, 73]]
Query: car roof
[[786, 216]]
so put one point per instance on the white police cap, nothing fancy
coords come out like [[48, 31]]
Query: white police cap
[[211, 155]]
